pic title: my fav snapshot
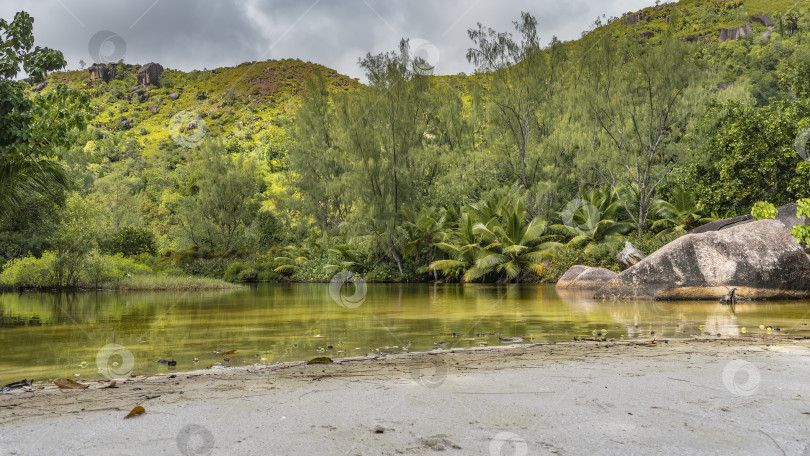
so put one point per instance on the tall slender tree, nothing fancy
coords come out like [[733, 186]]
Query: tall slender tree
[[635, 97], [523, 78]]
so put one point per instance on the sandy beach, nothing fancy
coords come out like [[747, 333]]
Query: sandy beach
[[675, 397]]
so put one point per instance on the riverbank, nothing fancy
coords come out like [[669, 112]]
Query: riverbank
[[682, 397]]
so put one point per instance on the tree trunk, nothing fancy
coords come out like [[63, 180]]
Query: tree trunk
[[395, 255]]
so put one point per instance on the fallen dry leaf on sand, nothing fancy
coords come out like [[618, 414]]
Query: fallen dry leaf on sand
[[136, 411], [66, 383]]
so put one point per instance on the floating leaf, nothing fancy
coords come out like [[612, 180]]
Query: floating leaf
[[321, 360], [66, 383], [220, 351], [136, 411]]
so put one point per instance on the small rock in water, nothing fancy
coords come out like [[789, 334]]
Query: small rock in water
[[172, 363], [510, 340], [163, 361]]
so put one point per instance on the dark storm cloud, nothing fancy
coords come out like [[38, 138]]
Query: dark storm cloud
[[196, 34]]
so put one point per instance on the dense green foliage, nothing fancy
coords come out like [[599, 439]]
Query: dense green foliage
[[546, 156]]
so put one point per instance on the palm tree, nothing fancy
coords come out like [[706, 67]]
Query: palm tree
[[593, 219], [511, 246], [30, 175], [426, 228], [461, 246], [293, 258], [680, 214], [350, 259]]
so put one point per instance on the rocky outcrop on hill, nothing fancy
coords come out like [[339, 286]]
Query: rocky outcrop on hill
[[735, 33], [761, 259], [149, 74], [101, 71], [634, 18], [763, 19]]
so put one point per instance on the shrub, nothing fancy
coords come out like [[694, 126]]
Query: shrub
[[97, 270], [30, 272], [131, 241]]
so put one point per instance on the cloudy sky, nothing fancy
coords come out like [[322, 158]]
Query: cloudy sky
[[197, 34]]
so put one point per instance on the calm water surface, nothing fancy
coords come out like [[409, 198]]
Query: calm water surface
[[43, 336]]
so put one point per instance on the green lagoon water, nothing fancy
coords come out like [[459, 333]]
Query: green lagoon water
[[43, 336]]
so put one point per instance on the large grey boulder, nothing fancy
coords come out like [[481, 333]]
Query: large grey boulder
[[585, 278], [735, 33], [786, 214], [763, 19], [760, 258], [635, 18], [101, 71], [149, 74], [629, 256]]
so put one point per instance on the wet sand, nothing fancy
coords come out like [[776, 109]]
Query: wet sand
[[681, 397]]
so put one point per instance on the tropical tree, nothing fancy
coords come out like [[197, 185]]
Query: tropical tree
[[32, 128], [635, 96], [512, 247], [425, 228], [383, 131], [461, 246], [348, 258], [680, 214], [294, 258], [315, 159], [592, 219], [523, 79], [225, 199]]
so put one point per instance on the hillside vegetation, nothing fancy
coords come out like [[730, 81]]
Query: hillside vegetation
[[643, 129]]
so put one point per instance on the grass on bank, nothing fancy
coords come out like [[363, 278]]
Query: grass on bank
[[170, 283]]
